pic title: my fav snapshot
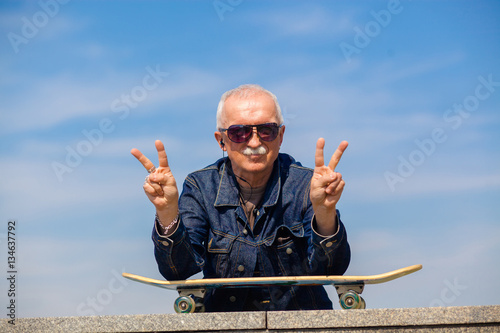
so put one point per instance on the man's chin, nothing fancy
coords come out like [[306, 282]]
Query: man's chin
[[256, 162]]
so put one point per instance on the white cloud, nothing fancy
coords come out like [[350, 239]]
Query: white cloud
[[31, 23], [93, 268], [55, 100], [64, 97], [304, 21], [371, 96], [375, 188], [32, 192], [108, 177], [390, 71]]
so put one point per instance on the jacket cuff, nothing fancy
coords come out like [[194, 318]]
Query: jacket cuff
[[162, 241], [328, 243]]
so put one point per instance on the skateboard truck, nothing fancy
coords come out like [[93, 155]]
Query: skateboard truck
[[349, 297], [190, 300]]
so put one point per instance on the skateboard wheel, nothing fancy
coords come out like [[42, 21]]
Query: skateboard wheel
[[362, 305], [351, 300], [184, 304]]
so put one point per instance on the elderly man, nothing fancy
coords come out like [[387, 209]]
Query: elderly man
[[256, 212]]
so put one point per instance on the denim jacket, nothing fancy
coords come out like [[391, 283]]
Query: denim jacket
[[213, 236]]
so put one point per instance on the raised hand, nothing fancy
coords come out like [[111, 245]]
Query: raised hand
[[160, 185], [326, 188]]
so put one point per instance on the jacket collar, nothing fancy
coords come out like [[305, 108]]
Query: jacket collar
[[228, 191]]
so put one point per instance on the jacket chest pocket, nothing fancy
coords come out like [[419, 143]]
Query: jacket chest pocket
[[219, 248], [290, 249]]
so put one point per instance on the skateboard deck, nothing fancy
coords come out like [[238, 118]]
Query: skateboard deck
[[192, 292]]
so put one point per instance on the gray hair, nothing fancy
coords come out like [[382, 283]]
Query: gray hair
[[245, 91]]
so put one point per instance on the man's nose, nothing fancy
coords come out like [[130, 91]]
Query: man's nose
[[254, 139]]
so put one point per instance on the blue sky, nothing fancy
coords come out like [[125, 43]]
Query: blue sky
[[414, 86]]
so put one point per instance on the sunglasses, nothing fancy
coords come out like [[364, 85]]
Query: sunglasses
[[243, 133]]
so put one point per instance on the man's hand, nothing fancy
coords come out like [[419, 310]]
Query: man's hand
[[326, 188], [160, 185]]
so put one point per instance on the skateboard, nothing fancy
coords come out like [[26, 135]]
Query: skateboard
[[192, 292]]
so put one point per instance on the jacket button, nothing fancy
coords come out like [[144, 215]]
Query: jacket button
[[232, 299], [241, 268], [329, 244], [289, 250], [165, 243], [245, 231]]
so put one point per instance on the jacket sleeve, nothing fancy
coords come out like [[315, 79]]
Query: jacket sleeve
[[329, 255], [181, 255]]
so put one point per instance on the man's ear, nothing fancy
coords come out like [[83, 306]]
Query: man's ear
[[282, 131], [220, 140]]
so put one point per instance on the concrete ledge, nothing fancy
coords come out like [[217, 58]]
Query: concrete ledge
[[193, 322], [418, 319], [449, 319]]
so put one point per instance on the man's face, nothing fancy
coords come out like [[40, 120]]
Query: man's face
[[254, 110]]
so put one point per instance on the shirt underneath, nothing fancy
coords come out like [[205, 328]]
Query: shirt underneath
[[250, 198]]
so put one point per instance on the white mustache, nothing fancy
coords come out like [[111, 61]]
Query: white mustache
[[254, 151]]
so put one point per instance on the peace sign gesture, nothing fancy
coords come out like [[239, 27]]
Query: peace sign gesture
[[326, 188], [160, 185]]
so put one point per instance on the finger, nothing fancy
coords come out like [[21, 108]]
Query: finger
[[319, 159], [162, 155], [143, 159], [334, 161], [149, 190], [158, 177], [340, 187], [323, 181], [151, 181], [157, 188], [334, 186], [336, 193], [153, 189]]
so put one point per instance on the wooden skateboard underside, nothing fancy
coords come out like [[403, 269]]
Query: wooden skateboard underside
[[348, 288]]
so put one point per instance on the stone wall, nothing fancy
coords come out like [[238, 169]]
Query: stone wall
[[446, 319]]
